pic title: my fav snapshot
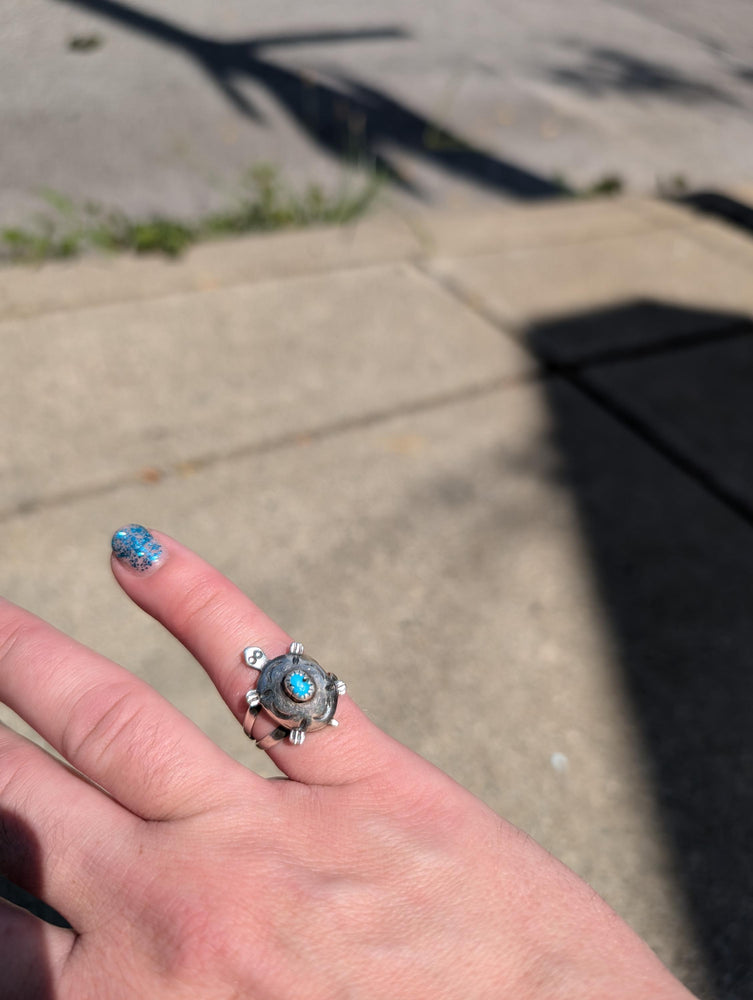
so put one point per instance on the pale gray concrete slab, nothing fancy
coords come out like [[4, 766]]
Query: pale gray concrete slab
[[471, 232], [725, 239], [742, 191], [189, 377], [537, 290], [713, 231]]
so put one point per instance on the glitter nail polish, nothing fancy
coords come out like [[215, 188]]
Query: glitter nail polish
[[135, 546]]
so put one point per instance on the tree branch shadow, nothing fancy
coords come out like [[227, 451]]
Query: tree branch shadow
[[605, 70], [351, 121]]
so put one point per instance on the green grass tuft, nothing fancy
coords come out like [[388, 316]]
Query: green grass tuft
[[608, 185], [265, 204]]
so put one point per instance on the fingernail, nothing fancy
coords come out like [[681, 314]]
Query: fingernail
[[135, 546]]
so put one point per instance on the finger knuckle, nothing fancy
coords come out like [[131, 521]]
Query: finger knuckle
[[101, 718], [201, 604], [19, 637], [18, 775]]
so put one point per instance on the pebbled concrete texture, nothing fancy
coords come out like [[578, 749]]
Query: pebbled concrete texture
[[529, 287], [349, 425], [189, 377]]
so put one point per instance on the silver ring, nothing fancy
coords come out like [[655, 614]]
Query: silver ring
[[294, 691]]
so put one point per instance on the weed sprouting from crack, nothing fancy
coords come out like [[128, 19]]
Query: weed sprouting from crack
[[67, 229]]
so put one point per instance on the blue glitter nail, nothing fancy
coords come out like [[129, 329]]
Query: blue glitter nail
[[136, 547]]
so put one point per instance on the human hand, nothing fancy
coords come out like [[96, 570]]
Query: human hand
[[370, 874]]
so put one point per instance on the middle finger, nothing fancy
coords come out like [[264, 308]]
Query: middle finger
[[108, 724]]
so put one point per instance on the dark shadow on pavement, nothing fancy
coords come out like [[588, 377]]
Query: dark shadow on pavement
[[353, 122], [722, 206], [630, 330], [606, 70], [672, 562]]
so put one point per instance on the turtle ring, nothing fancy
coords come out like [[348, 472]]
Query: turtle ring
[[294, 691]]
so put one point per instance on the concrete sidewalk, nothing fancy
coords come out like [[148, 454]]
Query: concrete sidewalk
[[493, 469]]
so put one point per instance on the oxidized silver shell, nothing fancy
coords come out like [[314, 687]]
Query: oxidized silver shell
[[311, 711]]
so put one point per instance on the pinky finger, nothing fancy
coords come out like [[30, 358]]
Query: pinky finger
[[32, 954]]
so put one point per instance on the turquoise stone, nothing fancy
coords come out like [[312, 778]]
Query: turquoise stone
[[299, 685]]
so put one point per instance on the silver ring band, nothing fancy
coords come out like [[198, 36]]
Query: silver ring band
[[271, 739]]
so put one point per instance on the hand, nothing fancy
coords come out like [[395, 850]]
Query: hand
[[370, 874]]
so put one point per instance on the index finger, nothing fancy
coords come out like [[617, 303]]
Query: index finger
[[216, 622]]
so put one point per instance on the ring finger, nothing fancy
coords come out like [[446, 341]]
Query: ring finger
[[216, 622]]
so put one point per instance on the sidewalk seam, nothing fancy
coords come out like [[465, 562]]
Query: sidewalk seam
[[423, 266], [291, 439], [344, 268], [423, 250]]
